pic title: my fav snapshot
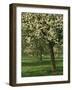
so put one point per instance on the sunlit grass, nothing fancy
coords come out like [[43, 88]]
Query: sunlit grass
[[31, 66]]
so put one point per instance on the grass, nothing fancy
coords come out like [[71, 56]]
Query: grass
[[31, 66]]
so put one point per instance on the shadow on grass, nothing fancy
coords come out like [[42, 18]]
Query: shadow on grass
[[37, 63], [42, 72]]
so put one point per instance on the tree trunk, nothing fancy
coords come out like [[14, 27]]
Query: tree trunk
[[40, 53], [52, 58]]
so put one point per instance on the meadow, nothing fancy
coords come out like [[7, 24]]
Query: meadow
[[31, 66]]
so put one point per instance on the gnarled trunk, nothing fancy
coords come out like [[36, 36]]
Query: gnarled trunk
[[52, 57]]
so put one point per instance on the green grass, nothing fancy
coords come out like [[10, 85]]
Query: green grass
[[31, 66]]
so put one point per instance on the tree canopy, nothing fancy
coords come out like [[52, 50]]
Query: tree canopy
[[38, 29]]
